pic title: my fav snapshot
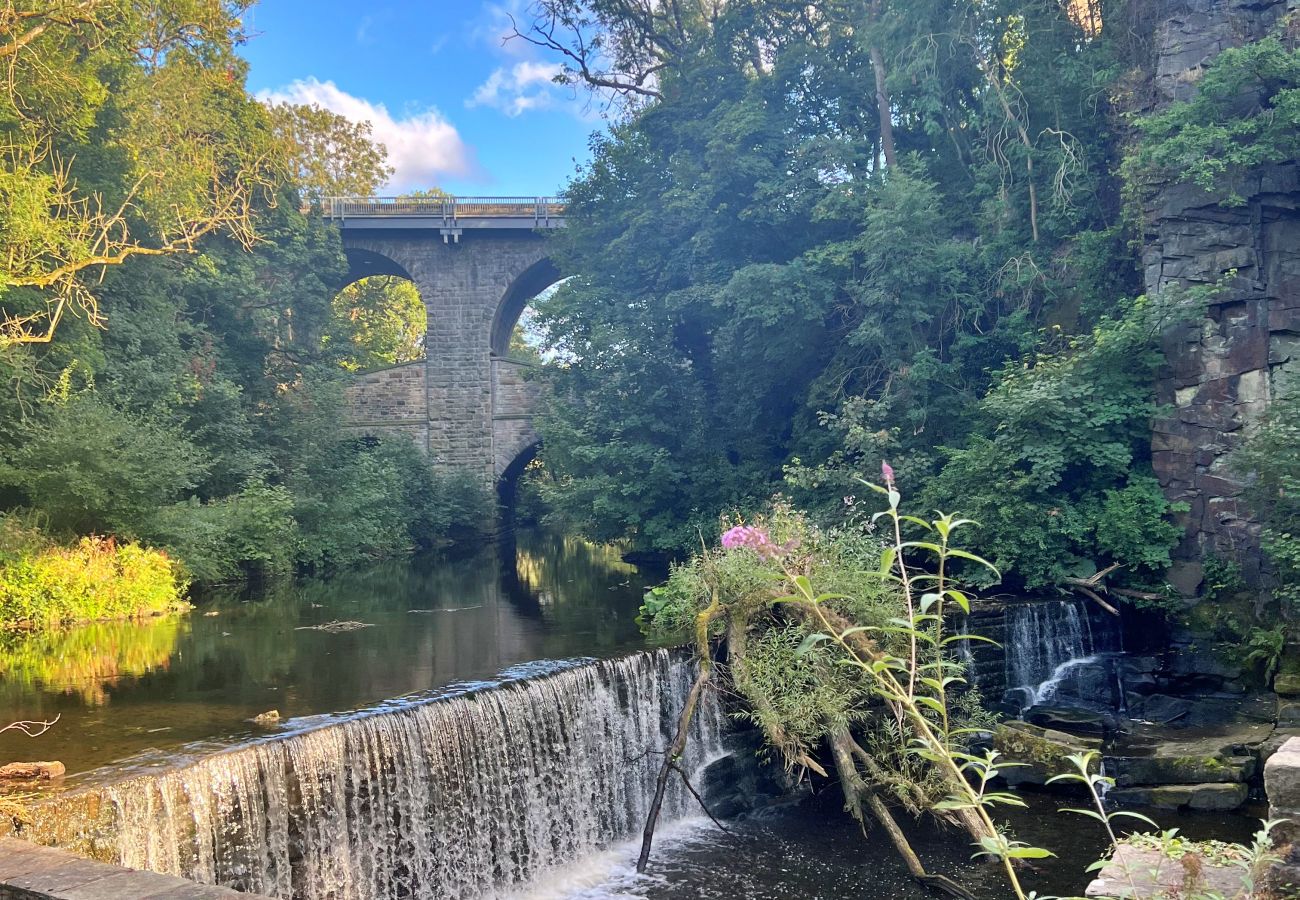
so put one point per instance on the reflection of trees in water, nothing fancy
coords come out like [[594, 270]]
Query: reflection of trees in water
[[572, 583], [84, 661]]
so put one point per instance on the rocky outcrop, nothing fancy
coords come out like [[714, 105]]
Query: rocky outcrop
[[1139, 872], [1225, 368], [1282, 785]]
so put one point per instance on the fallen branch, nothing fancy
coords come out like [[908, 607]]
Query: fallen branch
[[675, 750], [1096, 598], [700, 800], [856, 791], [1137, 595], [32, 728]]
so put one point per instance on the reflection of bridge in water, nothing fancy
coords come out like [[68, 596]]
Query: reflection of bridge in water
[[476, 261]]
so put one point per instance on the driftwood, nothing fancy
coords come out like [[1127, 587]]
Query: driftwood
[[1092, 588], [674, 752], [336, 626]]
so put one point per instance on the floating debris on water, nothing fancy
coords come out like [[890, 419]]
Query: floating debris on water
[[348, 625]]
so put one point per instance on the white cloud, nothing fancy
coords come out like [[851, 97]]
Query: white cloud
[[496, 24], [423, 147], [516, 89]]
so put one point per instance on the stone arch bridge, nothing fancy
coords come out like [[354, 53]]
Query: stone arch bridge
[[476, 262]]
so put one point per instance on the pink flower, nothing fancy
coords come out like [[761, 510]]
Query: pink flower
[[753, 537], [887, 473]]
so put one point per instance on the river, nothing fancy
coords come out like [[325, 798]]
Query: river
[[383, 722]]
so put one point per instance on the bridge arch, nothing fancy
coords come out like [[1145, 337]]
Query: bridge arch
[[362, 263], [525, 288]]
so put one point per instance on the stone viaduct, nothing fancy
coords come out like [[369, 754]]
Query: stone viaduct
[[476, 262]]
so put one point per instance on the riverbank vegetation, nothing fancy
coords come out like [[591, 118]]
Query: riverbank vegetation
[[173, 339], [840, 646], [43, 584]]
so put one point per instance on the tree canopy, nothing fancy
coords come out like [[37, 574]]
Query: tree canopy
[[779, 267]]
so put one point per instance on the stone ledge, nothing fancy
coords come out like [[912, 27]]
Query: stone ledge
[[31, 872]]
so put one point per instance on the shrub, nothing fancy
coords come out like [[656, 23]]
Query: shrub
[[249, 533], [92, 468], [94, 579]]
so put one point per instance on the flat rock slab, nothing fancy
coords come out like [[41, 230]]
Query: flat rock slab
[[1182, 796], [31, 872], [1136, 874]]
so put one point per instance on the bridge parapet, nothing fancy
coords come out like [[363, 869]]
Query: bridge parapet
[[445, 213]]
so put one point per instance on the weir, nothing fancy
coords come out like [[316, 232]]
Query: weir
[[460, 796]]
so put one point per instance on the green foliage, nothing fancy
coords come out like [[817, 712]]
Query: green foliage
[[252, 532], [1245, 115], [749, 271], [1054, 472], [43, 585], [1266, 647], [375, 322], [127, 132], [1271, 458], [329, 155], [92, 468]]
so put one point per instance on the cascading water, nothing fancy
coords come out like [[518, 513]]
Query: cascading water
[[458, 797], [1052, 644]]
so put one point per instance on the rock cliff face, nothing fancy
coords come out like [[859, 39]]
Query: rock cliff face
[[1226, 368]]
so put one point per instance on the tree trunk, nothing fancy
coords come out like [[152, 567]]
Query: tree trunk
[[884, 106]]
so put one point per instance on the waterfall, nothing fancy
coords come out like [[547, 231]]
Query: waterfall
[[1048, 643], [456, 797]]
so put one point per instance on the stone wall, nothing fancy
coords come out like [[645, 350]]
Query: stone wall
[[1225, 368], [514, 398], [391, 401]]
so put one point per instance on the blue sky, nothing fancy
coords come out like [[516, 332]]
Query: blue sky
[[455, 107]]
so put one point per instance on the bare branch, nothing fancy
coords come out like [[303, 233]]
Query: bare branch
[[33, 727]]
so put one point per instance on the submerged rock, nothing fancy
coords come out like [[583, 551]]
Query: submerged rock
[[1219, 797]]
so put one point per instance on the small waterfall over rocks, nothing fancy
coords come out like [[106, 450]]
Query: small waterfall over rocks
[[1057, 650], [1047, 652], [458, 797]]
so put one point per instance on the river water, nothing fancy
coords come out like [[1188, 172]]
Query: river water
[[140, 699], [146, 691]]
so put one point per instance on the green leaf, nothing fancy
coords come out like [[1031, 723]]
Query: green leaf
[[887, 557], [1090, 813], [1029, 853], [962, 554], [810, 641], [1132, 815], [959, 598]]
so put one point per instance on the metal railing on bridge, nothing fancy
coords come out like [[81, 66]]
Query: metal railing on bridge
[[450, 210]]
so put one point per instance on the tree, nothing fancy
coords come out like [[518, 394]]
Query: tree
[[329, 155], [127, 133], [765, 248], [377, 321]]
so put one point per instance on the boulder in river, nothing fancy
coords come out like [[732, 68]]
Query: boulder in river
[[31, 771]]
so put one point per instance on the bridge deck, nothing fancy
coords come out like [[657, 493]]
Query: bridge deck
[[445, 213]]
